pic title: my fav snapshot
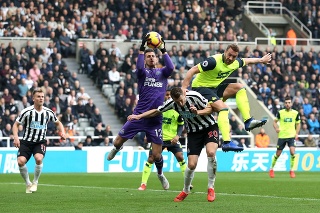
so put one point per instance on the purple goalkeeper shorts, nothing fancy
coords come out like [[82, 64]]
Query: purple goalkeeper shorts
[[151, 126]]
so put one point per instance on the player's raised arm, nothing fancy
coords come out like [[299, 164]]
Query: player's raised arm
[[187, 79], [264, 60], [147, 114], [169, 66]]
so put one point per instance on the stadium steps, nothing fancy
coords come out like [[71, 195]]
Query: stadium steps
[[107, 111]]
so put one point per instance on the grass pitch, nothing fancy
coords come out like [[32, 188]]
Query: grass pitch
[[117, 192]]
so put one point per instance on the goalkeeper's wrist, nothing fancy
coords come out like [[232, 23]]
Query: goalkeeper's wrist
[[163, 50], [142, 48]]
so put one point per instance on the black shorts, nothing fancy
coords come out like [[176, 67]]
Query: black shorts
[[170, 147], [283, 141], [197, 140], [28, 148], [211, 93]]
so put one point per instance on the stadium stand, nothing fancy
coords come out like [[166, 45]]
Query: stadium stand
[[47, 31]]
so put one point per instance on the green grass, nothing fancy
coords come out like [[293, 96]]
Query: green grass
[[117, 192]]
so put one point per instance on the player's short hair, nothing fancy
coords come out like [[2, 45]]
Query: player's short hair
[[234, 47], [287, 98], [149, 50], [37, 90], [176, 92]]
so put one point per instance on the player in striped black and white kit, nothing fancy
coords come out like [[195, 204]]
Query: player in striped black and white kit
[[34, 120], [202, 131]]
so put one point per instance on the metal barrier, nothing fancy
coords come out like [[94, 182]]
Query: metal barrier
[[276, 6]]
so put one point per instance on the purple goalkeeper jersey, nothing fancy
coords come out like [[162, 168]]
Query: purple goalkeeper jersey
[[152, 84]]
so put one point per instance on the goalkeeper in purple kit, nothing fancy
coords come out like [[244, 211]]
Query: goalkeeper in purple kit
[[152, 84]]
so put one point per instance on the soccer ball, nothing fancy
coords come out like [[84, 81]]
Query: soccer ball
[[154, 40]]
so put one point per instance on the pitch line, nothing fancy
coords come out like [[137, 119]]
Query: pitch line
[[173, 191]]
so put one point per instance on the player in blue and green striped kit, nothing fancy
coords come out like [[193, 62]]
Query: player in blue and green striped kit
[[172, 126]]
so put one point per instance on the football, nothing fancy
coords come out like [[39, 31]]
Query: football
[[154, 40]]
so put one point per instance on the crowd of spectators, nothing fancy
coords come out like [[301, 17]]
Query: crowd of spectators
[[291, 72], [65, 21]]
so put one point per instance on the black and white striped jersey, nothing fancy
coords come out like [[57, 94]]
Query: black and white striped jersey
[[35, 123], [194, 122]]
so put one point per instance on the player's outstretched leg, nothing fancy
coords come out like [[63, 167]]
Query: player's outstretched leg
[[251, 123], [113, 153]]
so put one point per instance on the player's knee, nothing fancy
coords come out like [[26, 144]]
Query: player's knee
[[150, 159], [38, 160], [211, 154], [239, 86], [219, 105], [179, 158], [192, 165], [21, 161]]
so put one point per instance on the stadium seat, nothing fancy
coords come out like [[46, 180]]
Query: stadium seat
[[112, 100], [84, 122], [89, 130], [107, 90], [81, 131], [115, 87]]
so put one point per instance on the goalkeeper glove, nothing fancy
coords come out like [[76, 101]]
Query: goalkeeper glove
[[162, 46], [144, 42]]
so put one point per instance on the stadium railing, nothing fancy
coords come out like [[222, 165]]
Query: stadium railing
[[280, 10]]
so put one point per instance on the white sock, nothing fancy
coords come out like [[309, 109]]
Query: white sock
[[37, 173], [24, 174], [188, 177], [211, 169]]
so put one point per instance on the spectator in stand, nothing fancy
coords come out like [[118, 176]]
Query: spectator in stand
[[127, 109], [241, 131], [114, 76], [6, 96], [34, 72], [304, 131], [310, 142], [106, 142], [21, 105], [91, 62], [88, 141], [100, 133], [120, 102], [79, 109], [109, 132], [307, 107], [84, 54], [96, 118], [65, 43], [116, 49], [14, 88], [90, 107], [83, 95], [58, 105], [262, 139], [313, 124], [67, 117]]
